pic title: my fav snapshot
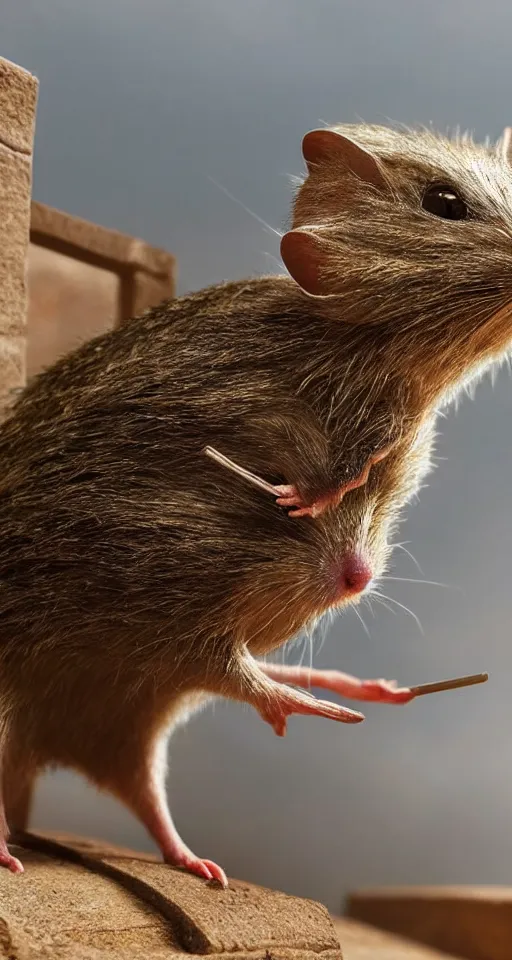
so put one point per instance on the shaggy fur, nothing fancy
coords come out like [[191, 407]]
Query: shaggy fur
[[135, 574]]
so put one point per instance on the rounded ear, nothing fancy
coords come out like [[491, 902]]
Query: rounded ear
[[322, 146], [304, 257]]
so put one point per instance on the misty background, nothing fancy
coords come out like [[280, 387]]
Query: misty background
[[142, 106]]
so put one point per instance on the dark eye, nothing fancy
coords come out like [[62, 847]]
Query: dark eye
[[444, 202]]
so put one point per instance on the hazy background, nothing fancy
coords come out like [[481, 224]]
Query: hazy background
[[142, 102]]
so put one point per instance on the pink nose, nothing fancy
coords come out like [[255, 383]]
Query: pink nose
[[356, 574]]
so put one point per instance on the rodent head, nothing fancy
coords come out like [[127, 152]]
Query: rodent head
[[412, 233]]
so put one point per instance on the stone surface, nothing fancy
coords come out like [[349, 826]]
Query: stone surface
[[80, 899], [471, 922], [15, 186], [18, 96]]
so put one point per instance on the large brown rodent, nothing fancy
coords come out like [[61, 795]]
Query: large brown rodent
[[139, 578]]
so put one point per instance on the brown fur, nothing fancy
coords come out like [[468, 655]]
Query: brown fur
[[134, 572], [434, 284]]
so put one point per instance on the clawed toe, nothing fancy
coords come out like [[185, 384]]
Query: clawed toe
[[287, 702], [289, 496], [334, 711], [303, 512], [386, 691], [287, 490], [217, 873], [206, 869], [11, 863]]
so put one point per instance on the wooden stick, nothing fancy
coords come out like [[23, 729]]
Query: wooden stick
[[424, 688], [241, 471]]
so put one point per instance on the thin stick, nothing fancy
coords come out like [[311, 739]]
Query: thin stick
[[424, 688], [241, 471]]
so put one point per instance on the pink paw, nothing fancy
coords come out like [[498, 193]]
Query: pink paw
[[206, 869], [289, 496], [12, 863], [285, 702], [385, 691]]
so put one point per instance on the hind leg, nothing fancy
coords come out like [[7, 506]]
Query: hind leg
[[151, 807], [142, 790]]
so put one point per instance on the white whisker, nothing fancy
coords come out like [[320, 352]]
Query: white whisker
[[379, 599], [324, 624], [247, 210], [360, 617], [402, 607], [276, 260], [431, 583], [401, 546]]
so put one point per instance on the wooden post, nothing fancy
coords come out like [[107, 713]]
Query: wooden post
[[84, 280], [470, 922]]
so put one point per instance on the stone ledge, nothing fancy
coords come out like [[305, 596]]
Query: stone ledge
[[83, 899]]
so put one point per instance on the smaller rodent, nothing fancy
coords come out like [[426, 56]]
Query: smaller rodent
[[137, 578]]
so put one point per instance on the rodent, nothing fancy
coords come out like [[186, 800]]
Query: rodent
[[138, 578]]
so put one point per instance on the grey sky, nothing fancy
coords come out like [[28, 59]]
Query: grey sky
[[140, 104]]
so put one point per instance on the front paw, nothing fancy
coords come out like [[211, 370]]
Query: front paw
[[289, 496], [385, 691]]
